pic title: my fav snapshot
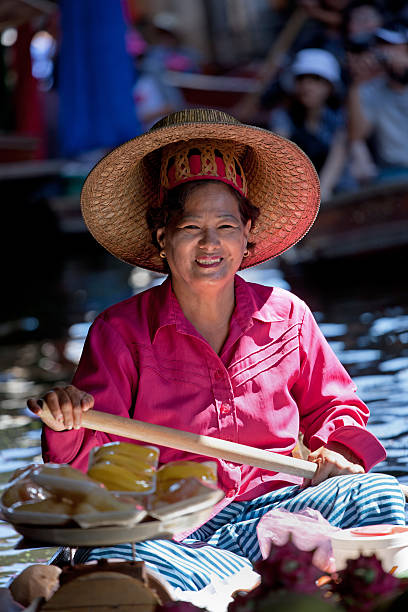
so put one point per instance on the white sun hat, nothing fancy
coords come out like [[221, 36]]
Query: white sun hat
[[392, 36], [319, 62]]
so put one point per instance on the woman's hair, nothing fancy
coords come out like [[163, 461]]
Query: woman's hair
[[172, 208]]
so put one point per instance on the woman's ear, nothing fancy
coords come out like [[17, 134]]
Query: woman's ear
[[160, 237], [247, 228]]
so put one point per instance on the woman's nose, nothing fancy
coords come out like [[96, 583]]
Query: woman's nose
[[209, 238]]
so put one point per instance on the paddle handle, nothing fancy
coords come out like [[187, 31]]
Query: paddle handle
[[191, 442]]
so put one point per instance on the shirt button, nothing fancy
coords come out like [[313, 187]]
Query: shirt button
[[225, 409], [218, 375]]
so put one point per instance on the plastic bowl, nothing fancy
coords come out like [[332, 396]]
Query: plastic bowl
[[388, 542]]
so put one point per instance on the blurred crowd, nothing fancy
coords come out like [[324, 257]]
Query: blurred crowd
[[342, 94], [339, 88], [332, 77]]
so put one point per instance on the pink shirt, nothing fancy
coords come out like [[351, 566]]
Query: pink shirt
[[275, 375]]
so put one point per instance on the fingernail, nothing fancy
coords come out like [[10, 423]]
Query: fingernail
[[40, 403]]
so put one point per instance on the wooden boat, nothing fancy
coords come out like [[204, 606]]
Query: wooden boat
[[371, 220], [223, 92], [359, 239]]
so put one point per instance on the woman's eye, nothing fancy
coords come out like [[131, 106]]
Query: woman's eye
[[190, 227], [226, 226]]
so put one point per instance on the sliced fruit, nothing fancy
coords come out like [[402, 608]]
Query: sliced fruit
[[185, 469], [117, 478], [139, 452], [137, 466]]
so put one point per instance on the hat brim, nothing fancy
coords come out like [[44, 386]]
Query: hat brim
[[282, 183], [329, 76]]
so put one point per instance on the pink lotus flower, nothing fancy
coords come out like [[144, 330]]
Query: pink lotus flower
[[288, 568]]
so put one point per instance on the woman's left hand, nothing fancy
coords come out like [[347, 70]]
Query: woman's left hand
[[335, 459]]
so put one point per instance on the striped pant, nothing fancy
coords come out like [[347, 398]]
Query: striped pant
[[228, 542]]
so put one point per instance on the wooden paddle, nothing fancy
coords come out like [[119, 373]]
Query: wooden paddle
[[190, 442], [194, 443]]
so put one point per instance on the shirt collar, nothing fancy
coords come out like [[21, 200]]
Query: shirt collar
[[160, 311], [255, 300], [165, 309]]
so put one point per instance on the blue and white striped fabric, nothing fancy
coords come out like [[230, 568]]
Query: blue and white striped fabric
[[228, 542]]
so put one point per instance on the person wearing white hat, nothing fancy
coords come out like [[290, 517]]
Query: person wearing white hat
[[308, 120], [318, 62]]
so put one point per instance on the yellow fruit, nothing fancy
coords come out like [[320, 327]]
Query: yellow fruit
[[172, 491], [117, 478], [137, 452], [186, 469], [136, 466]]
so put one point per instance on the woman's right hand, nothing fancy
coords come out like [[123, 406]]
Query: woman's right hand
[[66, 405]]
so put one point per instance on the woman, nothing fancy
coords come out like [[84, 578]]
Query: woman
[[310, 121], [201, 196]]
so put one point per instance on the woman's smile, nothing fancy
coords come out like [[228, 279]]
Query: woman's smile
[[208, 262]]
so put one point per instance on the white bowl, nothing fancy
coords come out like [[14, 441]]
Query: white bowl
[[388, 542]]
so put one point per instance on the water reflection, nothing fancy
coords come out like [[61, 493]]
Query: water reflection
[[369, 335]]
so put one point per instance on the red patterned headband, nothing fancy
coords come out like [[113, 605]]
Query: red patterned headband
[[195, 160]]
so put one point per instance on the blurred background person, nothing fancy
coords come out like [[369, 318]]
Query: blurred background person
[[159, 50], [361, 20], [167, 50], [151, 98], [324, 26], [309, 117], [378, 104]]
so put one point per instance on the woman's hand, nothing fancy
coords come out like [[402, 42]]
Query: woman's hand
[[335, 459], [66, 405]]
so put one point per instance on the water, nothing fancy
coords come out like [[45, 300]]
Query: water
[[39, 345]]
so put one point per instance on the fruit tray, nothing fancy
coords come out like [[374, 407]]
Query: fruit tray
[[163, 523]]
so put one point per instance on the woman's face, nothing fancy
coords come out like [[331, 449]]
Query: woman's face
[[205, 247], [312, 90]]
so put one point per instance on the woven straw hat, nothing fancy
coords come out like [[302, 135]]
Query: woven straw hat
[[282, 183]]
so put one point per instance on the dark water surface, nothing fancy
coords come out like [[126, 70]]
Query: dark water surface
[[41, 338]]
